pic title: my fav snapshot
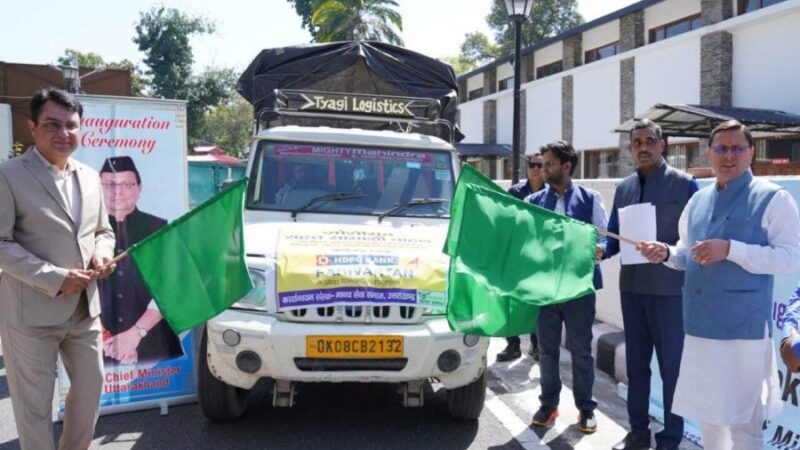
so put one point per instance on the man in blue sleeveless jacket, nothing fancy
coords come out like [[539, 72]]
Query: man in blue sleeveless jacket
[[521, 190], [734, 236], [650, 294], [564, 197]]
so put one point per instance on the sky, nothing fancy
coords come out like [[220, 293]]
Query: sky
[[243, 28]]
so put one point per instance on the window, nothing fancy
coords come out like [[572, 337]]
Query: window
[[475, 93], [601, 164], [349, 179], [685, 155], [506, 83], [548, 69], [746, 6], [601, 52], [675, 28]]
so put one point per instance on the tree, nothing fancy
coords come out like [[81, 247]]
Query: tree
[[163, 35], [476, 49], [458, 64], [95, 61], [91, 59], [548, 18], [353, 20], [305, 9], [229, 126], [205, 91]]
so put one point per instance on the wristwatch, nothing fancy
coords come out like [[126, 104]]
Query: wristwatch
[[141, 330]]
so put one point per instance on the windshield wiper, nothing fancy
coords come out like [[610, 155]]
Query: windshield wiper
[[414, 201], [335, 197]]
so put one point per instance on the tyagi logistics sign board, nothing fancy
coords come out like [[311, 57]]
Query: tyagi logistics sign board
[[356, 265]]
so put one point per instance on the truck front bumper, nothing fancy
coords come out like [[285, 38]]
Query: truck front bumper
[[281, 349]]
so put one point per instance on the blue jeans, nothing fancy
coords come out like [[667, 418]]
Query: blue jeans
[[653, 322], [577, 316]]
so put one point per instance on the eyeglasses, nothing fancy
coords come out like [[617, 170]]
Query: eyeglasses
[[734, 149], [534, 165], [647, 141], [53, 126], [127, 185]]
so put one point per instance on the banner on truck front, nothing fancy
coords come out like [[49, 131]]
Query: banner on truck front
[[139, 148], [360, 265]]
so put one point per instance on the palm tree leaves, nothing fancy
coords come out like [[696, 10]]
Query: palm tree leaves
[[354, 20]]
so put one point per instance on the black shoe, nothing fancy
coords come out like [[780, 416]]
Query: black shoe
[[632, 442], [510, 353], [587, 423], [545, 416], [533, 352]]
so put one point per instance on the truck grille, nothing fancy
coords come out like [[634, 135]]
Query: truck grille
[[344, 365], [393, 314]]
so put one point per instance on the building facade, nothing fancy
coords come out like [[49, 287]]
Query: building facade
[[580, 85]]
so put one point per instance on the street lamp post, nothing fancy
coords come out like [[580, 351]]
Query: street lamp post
[[72, 75], [518, 12]]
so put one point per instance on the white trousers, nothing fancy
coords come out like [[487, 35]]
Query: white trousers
[[744, 436]]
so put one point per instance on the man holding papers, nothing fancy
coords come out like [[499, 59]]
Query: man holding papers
[[650, 201]]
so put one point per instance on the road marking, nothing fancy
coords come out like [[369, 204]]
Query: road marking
[[518, 429], [522, 386]]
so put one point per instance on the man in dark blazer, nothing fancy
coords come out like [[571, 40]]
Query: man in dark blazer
[[650, 294], [564, 197], [134, 327], [55, 242]]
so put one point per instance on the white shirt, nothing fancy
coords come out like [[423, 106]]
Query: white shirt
[[721, 381], [67, 185], [599, 215]]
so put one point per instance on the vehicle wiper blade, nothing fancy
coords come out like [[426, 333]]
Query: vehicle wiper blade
[[414, 201], [334, 197]]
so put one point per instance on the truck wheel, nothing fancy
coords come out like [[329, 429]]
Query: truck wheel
[[466, 402], [218, 400]]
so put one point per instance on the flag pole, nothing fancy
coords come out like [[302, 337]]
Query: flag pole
[[605, 232]]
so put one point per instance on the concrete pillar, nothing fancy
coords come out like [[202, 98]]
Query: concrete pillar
[[573, 52], [627, 110], [715, 11], [462, 90], [567, 92], [631, 31], [528, 68], [490, 81], [716, 69], [490, 122]]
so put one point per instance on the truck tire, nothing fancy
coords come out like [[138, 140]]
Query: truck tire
[[218, 400], [466, 402]]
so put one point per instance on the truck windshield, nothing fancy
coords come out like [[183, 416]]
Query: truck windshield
[[360, 180]]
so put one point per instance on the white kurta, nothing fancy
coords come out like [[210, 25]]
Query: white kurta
[[720, 381]]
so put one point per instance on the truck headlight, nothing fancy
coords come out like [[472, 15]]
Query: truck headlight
[[256, 299]]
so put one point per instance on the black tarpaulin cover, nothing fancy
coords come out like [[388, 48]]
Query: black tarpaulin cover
[[365, 67]]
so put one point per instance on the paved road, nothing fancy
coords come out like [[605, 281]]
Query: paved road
[[366, 416]]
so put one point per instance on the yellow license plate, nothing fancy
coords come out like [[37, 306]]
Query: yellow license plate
[[354, 346]]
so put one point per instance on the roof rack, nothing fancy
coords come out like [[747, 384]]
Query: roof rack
[[346, 110]]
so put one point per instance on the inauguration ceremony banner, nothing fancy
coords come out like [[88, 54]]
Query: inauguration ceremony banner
[[139, 148], [358, 265]]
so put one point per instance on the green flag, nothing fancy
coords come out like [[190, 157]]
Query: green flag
[[509, 257], [194, 267]]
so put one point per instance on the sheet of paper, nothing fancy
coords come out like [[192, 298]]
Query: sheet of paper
[[637, 222]]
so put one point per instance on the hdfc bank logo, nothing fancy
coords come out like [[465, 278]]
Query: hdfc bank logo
[[323, 260]]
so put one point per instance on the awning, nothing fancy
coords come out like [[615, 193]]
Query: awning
[[483, 150], [699, 120]]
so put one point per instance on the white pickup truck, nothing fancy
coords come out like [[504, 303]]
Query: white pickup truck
[[344, 229]]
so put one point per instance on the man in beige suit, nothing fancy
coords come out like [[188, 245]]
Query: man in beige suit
[[55, 241]]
